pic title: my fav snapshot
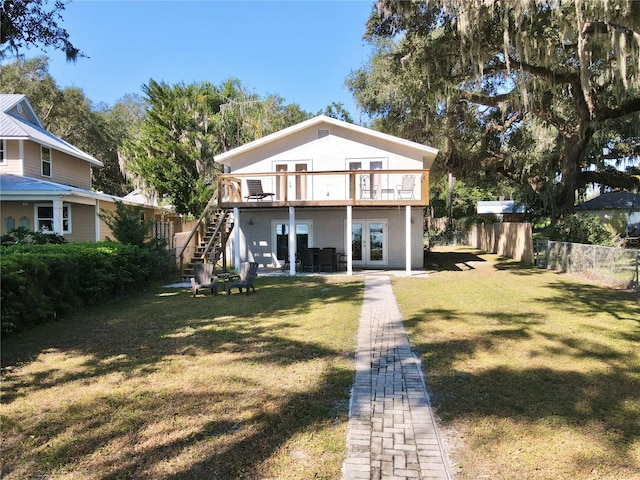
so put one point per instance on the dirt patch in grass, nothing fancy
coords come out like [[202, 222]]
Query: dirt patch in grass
[[535, 374], [166, 386]]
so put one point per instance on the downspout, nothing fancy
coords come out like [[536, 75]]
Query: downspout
[[97, 220], [21, 156]]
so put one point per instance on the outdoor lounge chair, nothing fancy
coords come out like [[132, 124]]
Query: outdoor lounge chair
[[204, 278], [256, 192], [408, 184], [248, 271]]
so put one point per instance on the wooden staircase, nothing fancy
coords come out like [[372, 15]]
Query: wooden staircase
[[208, 239]]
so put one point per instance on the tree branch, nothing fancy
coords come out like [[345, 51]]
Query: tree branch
[[625, 108], [600, 28]]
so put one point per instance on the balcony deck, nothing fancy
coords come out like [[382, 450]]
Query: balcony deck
[[361, 188]]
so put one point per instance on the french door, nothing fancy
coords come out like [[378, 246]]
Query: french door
[[297, 186], [369, 242]]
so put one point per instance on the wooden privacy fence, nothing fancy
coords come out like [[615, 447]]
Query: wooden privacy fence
[[508, 239]]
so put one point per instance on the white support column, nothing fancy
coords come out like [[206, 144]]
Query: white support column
[[57, 215], [407, 245], [349, 240], [292, 241], [236, 238]]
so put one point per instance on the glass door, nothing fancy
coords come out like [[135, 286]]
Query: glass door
[[296, 188], [369, 242]]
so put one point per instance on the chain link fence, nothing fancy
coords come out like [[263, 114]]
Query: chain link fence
[[615, 267]]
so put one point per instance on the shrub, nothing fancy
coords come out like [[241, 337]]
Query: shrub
[[24, 236], [43, 282], [126, 224], [580, 229]]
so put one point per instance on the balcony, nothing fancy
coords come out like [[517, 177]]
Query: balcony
[[361, 188]]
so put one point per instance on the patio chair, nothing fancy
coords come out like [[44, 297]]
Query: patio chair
[[365, 189], [256, 192], [408, 184], [325, 259], [307, 260], [203, 277], [248, 271], [286, 264]]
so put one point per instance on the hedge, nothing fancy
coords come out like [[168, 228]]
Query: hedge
[[44, 282]]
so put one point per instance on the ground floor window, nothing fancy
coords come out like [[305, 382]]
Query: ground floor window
[[44, 218], [303, 232]]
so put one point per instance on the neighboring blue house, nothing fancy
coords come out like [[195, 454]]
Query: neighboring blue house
[[619, 210]]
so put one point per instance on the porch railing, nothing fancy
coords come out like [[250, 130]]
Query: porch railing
[[328, 188]]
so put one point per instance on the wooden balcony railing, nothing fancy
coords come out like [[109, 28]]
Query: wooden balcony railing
[[330, 188]]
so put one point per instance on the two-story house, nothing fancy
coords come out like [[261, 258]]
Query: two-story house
[[45, 183], [327, 184]]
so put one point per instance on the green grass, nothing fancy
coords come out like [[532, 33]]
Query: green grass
[[166, 386], [534, 375]]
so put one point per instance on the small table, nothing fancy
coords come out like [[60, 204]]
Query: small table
[[225, 278], [389, 192]]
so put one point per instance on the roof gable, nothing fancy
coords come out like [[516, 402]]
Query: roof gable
[[323, 122], [19, 121]]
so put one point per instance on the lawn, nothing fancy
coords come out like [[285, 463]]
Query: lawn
[[165, 386], [534, 375]]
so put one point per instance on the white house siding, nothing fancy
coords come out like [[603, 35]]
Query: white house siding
[[328, 230], [326, 153]]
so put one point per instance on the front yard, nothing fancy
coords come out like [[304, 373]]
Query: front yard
[[533, 375], [166, 386]]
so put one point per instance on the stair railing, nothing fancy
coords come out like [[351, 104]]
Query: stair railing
[[197, 227], [217, 233]]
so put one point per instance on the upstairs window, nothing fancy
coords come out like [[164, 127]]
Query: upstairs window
[[45, 155]]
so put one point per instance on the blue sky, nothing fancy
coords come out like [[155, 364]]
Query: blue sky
[[300, 50]]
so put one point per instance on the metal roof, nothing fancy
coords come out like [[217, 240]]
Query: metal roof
[[499, 206], [17, 185], [16, 127], [612, 200]]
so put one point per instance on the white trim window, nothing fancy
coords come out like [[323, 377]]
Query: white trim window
[[44, 218], [3, 152], [45, 157]]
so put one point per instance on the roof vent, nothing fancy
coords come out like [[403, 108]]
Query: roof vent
[[323, 133]]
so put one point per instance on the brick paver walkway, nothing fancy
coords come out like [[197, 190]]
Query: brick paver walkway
[[392, 434]]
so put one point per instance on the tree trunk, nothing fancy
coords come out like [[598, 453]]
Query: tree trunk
[[564, 194]]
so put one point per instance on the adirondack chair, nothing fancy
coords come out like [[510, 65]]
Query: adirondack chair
[[408, 184], [248, 271], [256, 192], [204, 278]]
